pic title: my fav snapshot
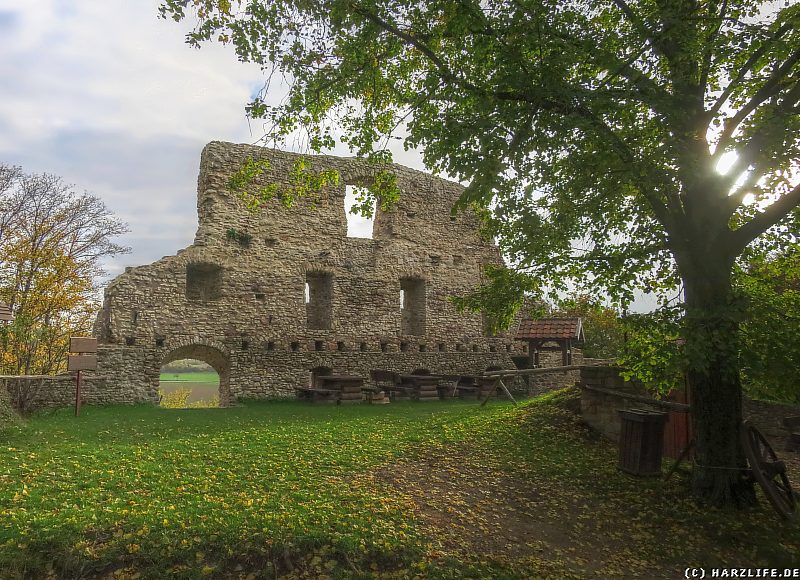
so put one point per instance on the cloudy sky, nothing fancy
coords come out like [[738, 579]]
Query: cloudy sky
[[108, 96]]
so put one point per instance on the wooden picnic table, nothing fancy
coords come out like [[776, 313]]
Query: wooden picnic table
[[420, 387], [333, 388], [317, 395], [470, 386]]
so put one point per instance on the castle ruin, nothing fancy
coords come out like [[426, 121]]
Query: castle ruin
[[267, 298]]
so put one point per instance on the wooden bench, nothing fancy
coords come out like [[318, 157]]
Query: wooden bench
[[346, 387], [421, 387], [472, 386], [374, 395], [317, 395], [467, 391], [389, 382]]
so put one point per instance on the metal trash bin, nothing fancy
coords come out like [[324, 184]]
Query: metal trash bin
[[641, 441]]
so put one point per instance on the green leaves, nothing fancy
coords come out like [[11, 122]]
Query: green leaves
[[653, 351], [500, 297], [591, 130]]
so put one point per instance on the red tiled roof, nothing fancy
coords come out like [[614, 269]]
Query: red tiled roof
[[5, 313], [551, 329]]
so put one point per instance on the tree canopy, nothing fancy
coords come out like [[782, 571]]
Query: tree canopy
[[592, 130], [52, 242]]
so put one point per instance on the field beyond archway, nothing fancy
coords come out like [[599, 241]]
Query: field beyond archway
[[188, 383]]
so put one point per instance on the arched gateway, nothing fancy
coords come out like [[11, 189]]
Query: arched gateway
[[213, 354]]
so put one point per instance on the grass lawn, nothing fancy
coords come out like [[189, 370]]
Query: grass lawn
[[433, 490], [207, 377]]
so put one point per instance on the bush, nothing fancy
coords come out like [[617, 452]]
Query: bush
[[179, 399]]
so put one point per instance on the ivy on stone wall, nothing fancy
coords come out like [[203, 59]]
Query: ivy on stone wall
[[242, 238]]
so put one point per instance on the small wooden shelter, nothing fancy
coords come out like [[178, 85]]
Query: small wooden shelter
[[5, 313], [551, 334]]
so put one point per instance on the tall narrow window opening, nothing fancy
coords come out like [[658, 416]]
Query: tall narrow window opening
[[358, 226], [319, 300], [412, 306]]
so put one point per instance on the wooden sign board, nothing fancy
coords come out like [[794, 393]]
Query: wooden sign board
[[82, 362], [77, 344], [5, 313]]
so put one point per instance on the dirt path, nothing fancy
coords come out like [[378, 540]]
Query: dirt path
[[472, 508]]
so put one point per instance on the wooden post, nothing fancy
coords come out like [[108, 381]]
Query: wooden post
[[498, 384], [78, 393], [81, 362]]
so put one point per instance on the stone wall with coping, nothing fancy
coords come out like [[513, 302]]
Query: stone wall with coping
[[601, 410]]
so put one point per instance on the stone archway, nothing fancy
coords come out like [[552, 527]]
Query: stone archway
[[213, 355]]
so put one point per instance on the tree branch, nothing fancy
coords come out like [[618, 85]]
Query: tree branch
[[709, 51], [768, 90], [766, 219], [752, 153], [746, 68], [444, 70], [634, 19]]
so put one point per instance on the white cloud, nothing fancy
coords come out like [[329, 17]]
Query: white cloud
[[110, 97]]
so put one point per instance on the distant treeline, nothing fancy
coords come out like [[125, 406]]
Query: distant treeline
[[187, 365]]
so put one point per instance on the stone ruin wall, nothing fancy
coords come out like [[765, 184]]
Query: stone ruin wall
[[241, 308]]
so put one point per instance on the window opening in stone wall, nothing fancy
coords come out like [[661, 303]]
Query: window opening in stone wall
[[159, 342], [130, 341], [270, 345], [363, 347], [319, 300], [358, 226], [412, 306], [340, 346], [441, 347], [203, 282], [489, 326], [319, 345], [295, 346], [188, 383], [317, 372]]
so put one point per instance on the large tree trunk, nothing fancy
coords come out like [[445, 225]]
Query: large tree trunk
[[716, 394]]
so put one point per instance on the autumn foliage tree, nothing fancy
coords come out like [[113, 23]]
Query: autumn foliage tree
[[52, 242], [593, 129]]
